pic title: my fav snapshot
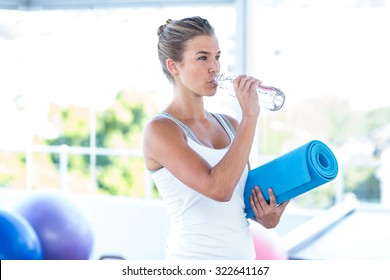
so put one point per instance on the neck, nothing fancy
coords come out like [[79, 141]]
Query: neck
[[186, 106]]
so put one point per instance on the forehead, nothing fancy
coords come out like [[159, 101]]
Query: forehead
[[202, 43]]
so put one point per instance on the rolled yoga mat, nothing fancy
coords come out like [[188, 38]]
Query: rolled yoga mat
[[292, 174]]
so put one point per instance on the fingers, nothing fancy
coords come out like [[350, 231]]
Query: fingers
[[258, 199], [267, 214], [245, 78], [245, 88], [246, 83], [283, 206], [272, 197], [256, 207]]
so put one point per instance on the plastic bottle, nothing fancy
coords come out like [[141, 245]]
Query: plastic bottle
[[270, 98]]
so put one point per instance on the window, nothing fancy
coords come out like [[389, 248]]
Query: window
[[79, 86]]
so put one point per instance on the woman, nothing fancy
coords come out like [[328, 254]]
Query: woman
[[199, 160]]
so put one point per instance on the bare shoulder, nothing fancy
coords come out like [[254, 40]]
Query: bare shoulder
[[160, 132], [160, 128]]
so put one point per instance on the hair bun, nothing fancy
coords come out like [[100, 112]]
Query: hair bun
[[161, 29]]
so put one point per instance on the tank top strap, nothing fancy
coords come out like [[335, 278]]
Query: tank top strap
[[185, 128], [227, 126], [225, 123]]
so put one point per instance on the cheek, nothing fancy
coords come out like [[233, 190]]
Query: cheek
[[191, 75]]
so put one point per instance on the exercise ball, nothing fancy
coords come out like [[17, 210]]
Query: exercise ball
[[267, 243], [18, 240], [63, 230]]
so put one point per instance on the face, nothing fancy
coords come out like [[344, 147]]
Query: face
[[200, 63]]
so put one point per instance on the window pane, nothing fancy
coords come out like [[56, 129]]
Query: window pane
[[331, 62], [86, 81]]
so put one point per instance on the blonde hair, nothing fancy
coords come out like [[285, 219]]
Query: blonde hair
[[173, 37]]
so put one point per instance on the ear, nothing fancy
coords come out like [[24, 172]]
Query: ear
[[171, 66]]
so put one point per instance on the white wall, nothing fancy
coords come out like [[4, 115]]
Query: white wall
[[133, 228], [123, 227]]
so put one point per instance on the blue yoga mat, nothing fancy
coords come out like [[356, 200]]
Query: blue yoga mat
[[292, 174]]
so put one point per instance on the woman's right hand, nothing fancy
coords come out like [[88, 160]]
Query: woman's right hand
[[245, 88]]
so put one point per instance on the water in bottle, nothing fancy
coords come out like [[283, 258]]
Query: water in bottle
[[270, 98]]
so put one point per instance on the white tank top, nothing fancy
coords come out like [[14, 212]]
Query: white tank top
[[200, 227]]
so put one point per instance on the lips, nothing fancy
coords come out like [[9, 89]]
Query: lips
[[213, 81]]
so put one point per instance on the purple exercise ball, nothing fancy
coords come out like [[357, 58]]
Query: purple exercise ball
[[63, 230]]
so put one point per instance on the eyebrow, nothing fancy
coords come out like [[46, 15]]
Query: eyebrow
[[204, 52]]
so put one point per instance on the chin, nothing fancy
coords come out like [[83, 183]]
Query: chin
[[211, 92]]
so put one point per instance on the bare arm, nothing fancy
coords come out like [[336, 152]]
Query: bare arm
[[165, 144], [266, 214]]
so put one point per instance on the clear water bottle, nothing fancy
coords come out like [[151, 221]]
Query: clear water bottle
[[270, 98]]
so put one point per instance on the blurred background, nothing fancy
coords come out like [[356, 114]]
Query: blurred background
[[79, 80]]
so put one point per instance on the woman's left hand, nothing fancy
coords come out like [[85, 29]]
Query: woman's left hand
[[267, 214]]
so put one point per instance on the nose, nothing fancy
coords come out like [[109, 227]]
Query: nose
[[214, 66]]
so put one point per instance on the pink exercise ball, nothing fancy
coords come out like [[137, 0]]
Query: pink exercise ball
[[267, 243]]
